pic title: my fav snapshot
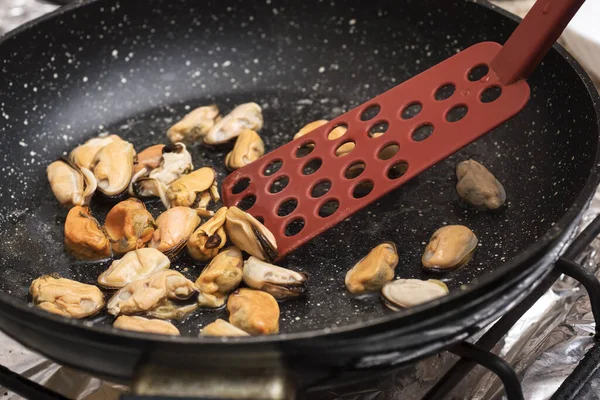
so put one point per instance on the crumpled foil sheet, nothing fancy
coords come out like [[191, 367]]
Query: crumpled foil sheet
[[548, 342], [544, 346]]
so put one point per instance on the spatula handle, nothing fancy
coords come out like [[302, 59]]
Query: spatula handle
[[532, 39]]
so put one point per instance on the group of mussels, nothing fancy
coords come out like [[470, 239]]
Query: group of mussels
[[148, 293], [449, 247]]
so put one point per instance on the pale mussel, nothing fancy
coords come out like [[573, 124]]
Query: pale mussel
[[206, 242], [113, 167], [129, 226], [146, 294], [253, 311], [84, 238], [249, 235], [478, 187], [83, 155], [176, 161], [221, 328], [135, 265], [194, 190], [66, 297], [406, 293], [449, 247], [336, 133], [71, 185], [141, 324], [173, 229], [219, 278], [374, 270], [311, 126], [173, 309], [146, 161], [248, 148], [194, 125], [281, 283], [244, 116]]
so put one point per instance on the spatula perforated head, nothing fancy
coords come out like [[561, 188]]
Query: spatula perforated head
[[308, 185]]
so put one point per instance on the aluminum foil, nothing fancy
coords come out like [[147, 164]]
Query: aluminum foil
[[548, 342], [544, 346]]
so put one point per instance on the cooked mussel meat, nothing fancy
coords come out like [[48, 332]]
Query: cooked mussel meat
[[248, 148], [311, 126], [209, 238], [147, 294], [244, 116], [66, 297], [220, 277], [478, 187], [146, 161], [249, 235], [140, 324], [374, 270], [173, 228], [113, 167], [194, 126], [253, 311], [135, 265], [176, 161], [405, 293], [449, 248], [336, 133], [188, 190], [129, 226], [83, 155], [280, 282], [84, 237], [221, 328], [170, 309], [71, 185], [203, 200]]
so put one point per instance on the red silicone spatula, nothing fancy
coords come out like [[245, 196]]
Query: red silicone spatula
[[424, 125]]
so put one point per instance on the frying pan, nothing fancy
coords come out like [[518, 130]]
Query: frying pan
[[134, 67]]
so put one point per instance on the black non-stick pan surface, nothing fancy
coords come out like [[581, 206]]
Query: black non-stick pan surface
[[135, 67]]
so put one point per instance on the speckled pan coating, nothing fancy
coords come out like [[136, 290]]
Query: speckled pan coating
[[134, 67]]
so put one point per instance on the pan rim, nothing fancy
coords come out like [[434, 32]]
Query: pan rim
[[555, 238]]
